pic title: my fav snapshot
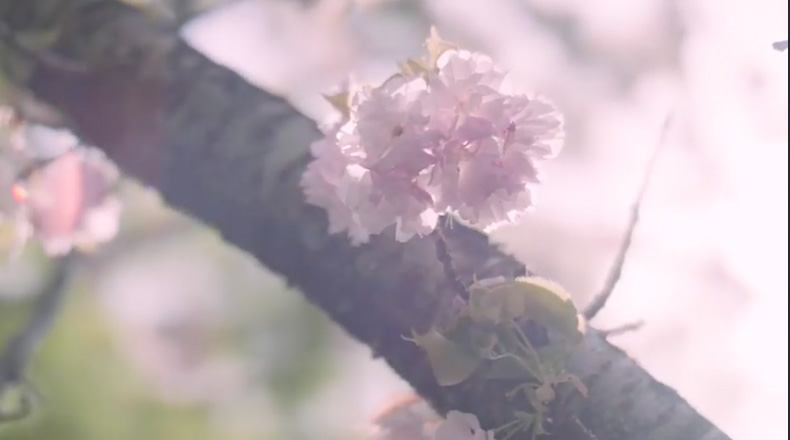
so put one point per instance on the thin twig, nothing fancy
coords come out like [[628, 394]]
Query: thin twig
[[20, 348], [599, 301], [625, 328], [443, 253]]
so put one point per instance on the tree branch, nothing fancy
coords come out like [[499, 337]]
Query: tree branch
[[231, 155], [599, 301]]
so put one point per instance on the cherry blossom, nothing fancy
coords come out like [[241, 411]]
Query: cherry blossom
[[69, 203], [446, 138]]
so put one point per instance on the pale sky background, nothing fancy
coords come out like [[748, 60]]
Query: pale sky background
[[708, 268]]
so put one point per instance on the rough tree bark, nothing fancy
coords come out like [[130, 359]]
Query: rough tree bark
[[231, 155]]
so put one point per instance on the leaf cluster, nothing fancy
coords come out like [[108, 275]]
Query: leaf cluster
[[487, 338]]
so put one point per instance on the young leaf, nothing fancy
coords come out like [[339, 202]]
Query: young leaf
[[436, 47], [340, 102], [483, 340], [413, 67], [541, 300], [484, 307], [451, 363]]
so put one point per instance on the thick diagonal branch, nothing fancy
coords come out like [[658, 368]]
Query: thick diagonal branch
[[231, 156]]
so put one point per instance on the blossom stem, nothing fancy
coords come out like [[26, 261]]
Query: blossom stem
[[443, 253], [514, 429], [524, 364], [509, 429], [526, 345]]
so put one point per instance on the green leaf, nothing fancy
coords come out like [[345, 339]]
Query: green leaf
[[541, 300], [451, 363], [484, 307], [548, 304], [436, 47], [480, 337], [483, 340], [413, 67], [340, 102]]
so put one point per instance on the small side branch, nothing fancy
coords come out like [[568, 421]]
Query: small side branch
[[625, 328], [20, 348], [781, 46], [600, 300]]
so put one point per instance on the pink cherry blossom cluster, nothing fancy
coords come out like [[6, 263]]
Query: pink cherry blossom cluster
[[444, 140]]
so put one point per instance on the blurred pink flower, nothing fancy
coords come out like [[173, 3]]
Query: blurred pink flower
[[70, 202]]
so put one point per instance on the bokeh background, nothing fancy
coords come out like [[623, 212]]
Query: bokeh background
[[168, 333]]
